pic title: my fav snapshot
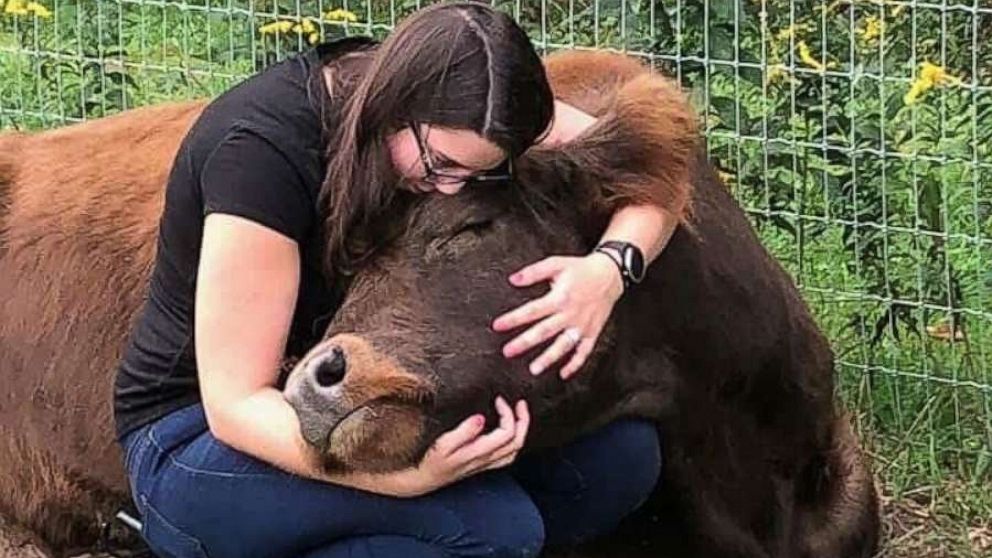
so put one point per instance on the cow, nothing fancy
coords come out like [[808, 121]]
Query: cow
[[716, 345]]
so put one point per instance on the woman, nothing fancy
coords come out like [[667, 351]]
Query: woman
[[345, 135]]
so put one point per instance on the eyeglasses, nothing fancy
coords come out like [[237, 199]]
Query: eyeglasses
[[433, 176]]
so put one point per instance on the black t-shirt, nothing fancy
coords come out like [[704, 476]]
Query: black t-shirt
[[257, 151]]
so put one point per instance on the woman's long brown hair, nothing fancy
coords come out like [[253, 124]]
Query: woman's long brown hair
[[461, 65]]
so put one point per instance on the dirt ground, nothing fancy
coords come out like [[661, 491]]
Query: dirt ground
[[911, 530]]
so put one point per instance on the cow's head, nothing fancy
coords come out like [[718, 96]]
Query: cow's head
[[411, 352]]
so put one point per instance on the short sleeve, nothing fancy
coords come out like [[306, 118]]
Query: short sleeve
[[247, 176]]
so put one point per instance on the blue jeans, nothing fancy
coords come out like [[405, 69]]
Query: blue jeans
[[198, 497]]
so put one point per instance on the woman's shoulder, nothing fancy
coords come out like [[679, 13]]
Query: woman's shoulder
[[282, 95]]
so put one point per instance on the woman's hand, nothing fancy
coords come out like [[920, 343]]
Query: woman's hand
[[465, 451], [583, 293]]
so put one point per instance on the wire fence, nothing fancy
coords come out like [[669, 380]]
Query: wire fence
[[856, 134]]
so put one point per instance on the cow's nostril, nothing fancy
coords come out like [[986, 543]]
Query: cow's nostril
[[330, 369]]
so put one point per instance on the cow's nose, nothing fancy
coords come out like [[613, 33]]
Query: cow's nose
[[329, 368]]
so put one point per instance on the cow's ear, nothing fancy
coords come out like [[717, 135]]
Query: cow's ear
[[641, 150]]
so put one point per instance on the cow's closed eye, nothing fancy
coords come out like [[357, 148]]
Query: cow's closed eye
[[478, 226], [464, 236]]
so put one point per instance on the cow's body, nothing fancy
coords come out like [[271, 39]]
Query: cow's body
[[77, 240]]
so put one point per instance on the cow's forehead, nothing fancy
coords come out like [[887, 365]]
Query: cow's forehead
[[467, 201]]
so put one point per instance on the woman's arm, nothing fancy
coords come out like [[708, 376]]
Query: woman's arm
[[583, 289], [648, 227], [246, 293]]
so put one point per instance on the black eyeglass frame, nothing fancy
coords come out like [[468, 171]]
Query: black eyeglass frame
[[502, 172]]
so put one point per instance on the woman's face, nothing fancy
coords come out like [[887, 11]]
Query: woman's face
[[432, 158]]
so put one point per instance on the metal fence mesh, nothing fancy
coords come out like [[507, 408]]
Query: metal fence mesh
[[857, 135]]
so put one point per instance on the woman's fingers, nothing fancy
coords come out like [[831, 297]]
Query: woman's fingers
[[540, 271], [462, 451], [511, 450], [453, 440], [534, 336], [527, 313], [504, 462], [579, 357], [485, 445], [563, 344]]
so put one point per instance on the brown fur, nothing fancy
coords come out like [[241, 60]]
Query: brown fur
[[78, 227], [9, 152], [662, 132], [849, 519]]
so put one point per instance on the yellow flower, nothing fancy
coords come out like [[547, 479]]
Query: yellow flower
[[20, 7], [786, 33], [872, 29], [791, 31], [774, 73], [305, 26], [15, 7], [308, 28], [833, 5], [38, 9], [807, 57], [341, 14], [276, 27], [931, 75]]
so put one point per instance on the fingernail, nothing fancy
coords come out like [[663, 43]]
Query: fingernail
[[536, 369], [480, 421]]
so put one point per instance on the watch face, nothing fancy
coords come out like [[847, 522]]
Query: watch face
[[634, 263]]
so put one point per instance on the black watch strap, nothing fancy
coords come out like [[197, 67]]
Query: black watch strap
[[628, 258]]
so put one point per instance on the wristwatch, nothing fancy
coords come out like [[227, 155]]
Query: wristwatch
[[628, 258]]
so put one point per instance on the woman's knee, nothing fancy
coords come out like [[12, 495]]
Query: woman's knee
[[635, 448], [627, 460], [586, 488], [489, 515], [514, 539]]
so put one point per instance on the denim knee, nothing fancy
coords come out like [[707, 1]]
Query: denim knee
[[586, 488], [636, 451], [490, 515], [519, 540]]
